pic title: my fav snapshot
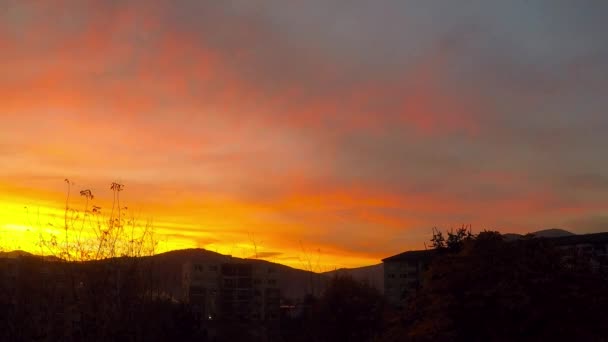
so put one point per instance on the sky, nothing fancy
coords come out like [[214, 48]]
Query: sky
[[337, 130]]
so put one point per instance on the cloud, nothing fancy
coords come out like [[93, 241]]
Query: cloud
[[265, 255], [337, 124], [592, 224]]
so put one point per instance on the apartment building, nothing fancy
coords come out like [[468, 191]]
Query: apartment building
[[232, 290], [590, 247], [403, 274], [266, 292], [201, 286]]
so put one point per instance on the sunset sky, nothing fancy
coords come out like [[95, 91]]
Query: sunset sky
[[341, 129]]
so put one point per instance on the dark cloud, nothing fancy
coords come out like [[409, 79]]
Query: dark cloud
[[265, 255]]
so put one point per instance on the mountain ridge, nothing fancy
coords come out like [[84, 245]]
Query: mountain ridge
[[543, 233], [167, 268], [295, 283]]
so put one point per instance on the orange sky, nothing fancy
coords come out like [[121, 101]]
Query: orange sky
[[314, 130]]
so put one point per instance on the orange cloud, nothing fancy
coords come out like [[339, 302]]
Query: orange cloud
[[223, 125]]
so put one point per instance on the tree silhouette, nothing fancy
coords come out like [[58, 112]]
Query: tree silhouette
[[94, 284], [492, 290], [454, 242], [349, 310]]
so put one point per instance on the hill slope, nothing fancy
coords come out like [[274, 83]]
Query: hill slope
[[545, 233], [553, 232], [166, 269], [372, 275], [294, 283]]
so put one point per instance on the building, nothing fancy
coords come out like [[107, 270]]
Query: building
[[403, 274], [232, 290], [266, 292], [592, 248], [236, 299], [201, 285]]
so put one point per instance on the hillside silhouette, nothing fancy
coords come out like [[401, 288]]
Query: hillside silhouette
[[166, 268]]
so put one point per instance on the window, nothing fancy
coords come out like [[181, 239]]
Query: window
[[391, 275], [213, 268]]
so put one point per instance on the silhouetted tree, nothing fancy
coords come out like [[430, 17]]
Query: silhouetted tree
[[455, 240], [438, 241], [492, 290], [97, 284], [348, 311]]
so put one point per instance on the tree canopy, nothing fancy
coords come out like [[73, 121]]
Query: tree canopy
[[492, 290]]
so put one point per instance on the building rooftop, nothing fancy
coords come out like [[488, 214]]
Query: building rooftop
[[411, 255]]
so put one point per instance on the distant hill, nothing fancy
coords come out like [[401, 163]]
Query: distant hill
[[512, 236], [166, 270], [553, 232], [294, 283], [372, 275], [15, 254], [545, 233]]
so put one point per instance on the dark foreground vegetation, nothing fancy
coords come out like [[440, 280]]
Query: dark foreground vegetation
[[481, 288], [94, 301], [477, 288], [117, 300]]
